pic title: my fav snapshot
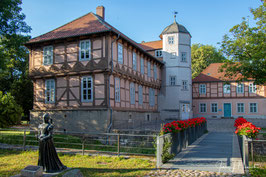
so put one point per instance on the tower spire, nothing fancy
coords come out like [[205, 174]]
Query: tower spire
[[175, 12]]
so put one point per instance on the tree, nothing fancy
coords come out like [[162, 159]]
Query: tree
[[10, 111], [202, 56], [13, 55], [245, 48]]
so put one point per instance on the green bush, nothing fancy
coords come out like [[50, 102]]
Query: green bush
[[10, 111]]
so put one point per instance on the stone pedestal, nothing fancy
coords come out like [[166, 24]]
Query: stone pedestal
[[32, 171]]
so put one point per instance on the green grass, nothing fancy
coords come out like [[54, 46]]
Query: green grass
[[257, 172], [12, 162], [69, 141]]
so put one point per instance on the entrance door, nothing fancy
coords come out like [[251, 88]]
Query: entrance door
[[184, 111], [227, 109]]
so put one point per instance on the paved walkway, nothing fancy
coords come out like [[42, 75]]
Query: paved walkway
[[215, 152]]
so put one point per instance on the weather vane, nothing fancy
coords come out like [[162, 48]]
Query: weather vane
[[175, 12]]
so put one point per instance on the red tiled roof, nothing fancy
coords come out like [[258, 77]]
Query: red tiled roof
[[87, 24], [153, 45], [211, 73]]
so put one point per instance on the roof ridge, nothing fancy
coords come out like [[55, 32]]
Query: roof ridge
[[102, 21], [149, 42], [63, 25]]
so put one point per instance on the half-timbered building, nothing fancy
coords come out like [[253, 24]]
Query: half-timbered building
[[90, 76]]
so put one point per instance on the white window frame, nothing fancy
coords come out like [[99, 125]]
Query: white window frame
[[149, 69], [237, 104], [227, 88], [50, 90], [141, 65], [252, 88], [158, 53], [211, 106], [134, 61], [151, 97], [240, 88], [205, 107], [183, 56], [132, 93], [85, 50], [202, 89], [120, 53], [140, 95], [87, 79], [184, 86], [117, 89], [172, 80], [155, 71], [171, 40], [48, 55], [253, 108]]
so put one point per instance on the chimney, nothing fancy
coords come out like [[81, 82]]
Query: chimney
[[100, 11]]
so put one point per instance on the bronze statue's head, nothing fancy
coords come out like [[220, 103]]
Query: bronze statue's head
[[46, 118]]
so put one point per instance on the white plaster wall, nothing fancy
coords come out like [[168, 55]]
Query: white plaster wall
[[170, 97]]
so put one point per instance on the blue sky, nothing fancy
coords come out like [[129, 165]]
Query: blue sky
[[144, 20]]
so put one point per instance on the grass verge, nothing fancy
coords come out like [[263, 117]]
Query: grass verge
[[12, 162]]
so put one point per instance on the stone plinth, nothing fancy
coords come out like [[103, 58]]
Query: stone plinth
[[32, 171]]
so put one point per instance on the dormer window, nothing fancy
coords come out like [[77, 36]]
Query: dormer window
[[84, 50], [158, 53], [170, 39], [48, 55]]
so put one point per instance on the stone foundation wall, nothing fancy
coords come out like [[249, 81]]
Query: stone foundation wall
[[74, 120]]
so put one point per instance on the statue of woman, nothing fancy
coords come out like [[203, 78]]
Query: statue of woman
[[48, 158]]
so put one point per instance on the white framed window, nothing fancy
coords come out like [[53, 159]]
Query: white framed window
[[155, 71], [170, 39], [214, 107], [252, 88], [172, 80], [158, 53], [183, 56], [227, 88], [149, 69], [50, 91], [202, 89], [120, 53], [84, 50], [86, 89], [240, 88], [253, 107], [151, 97], [117, 89], [132, 93], [203, 107], [240, 107], [173, 55], [134, 58], [142, 66], [140, 95], [185, 85], [48, 55]]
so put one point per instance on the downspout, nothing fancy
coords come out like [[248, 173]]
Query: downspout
[[112, 68]]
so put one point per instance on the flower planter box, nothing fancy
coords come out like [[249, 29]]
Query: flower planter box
[[184, 139]]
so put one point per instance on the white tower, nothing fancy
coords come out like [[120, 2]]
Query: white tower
[[175, 98]]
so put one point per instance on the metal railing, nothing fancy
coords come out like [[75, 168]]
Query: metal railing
[[81, 142], [252, 151]]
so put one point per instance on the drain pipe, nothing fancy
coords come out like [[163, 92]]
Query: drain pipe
[[112, 68]]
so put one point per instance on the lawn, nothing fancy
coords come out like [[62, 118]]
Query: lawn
[[11, 162]]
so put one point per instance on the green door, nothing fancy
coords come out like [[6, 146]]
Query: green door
[[227, 109]]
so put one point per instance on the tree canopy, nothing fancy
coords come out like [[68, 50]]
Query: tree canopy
[[13, 55], [202, 56], [245, 48]]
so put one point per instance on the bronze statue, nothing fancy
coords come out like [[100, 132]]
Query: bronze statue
[[48, 158]]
